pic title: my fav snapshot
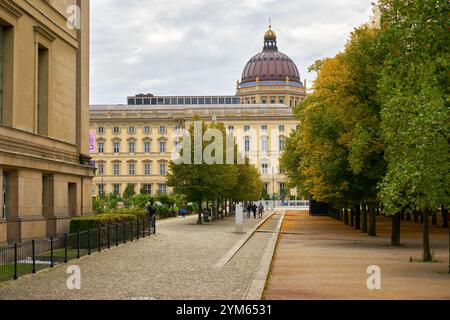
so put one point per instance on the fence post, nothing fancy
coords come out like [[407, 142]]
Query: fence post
[[33, 253], [99, 239], [149, 225], [78, 244], [89, 242], [15, 261], [65, 248], [143, 227], [131, 227], [154, 224], [124, 233], [137, 229], [109, 235], [117, 234], [51, 252]]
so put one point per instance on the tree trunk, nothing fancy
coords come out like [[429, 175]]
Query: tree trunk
[[444, 212], [346, 218], [364, 220], [338, 216], [352, 218], [435, 220], [422, 217], [396, 228], [402, 215], [373, 222], [416, 216], [408, 216], [426, 237], [358, 217], [200, 220]]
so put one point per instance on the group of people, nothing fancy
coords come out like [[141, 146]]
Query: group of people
[[257, 210]]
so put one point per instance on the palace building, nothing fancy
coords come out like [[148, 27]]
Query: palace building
[[45, 170], [133, 144]]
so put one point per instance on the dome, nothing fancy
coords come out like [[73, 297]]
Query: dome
[[270, 64]]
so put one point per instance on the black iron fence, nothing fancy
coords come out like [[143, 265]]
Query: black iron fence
[[30, 257]]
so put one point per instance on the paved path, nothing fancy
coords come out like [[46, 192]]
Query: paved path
[[177, 263], [321, 258]]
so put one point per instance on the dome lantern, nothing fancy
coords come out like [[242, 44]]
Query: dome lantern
[[270, 39]]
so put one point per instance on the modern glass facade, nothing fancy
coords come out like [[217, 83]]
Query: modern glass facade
[[189, 100]]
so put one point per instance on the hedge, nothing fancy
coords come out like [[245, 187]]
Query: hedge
[[94, 222]]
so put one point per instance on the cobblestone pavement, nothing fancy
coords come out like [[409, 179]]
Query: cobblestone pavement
[[321, 258], [176, 263]]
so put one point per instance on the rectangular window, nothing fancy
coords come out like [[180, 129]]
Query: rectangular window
[[131, 147], [264, 145], [264, 128], [116, 130], [100, 130], [147, 147], [101, 189], [116, 189], [247, 145], [162, 129], [281, 128], [177, 129], [101, 147], [5, 190], [146, 130], [162, 189], [147, 188], [162, 146], [116, 169], [231, 128], [42, 90], [147, 169], [101, 169], [282, 144], [162, 169], [139, 102], [146, 101], [116, 147], [265, 169], [131, 130], [131, 102], [131, 169], [247, 128]]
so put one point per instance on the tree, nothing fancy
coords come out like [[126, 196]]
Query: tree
[[129, 191], [415, 87]]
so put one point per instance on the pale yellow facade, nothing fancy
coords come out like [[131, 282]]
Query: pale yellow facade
[[45, 172], [265, 126]]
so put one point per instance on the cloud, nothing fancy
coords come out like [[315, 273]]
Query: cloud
[[199, 47]]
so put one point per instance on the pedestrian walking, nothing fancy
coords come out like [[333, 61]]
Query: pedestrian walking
[[249, 210], [260, 210], [255, 210]]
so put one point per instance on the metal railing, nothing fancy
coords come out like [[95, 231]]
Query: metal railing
[[27, 258]]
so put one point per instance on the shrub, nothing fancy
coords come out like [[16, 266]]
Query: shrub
[[101, 220]]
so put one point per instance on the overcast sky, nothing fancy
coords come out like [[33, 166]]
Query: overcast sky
[[200, 47]]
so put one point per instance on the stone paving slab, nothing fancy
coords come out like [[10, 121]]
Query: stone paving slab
[[174, 264], [321, 258]]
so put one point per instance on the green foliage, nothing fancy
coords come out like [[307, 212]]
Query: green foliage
[[212, 182], [94, 222], [129, 191]]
